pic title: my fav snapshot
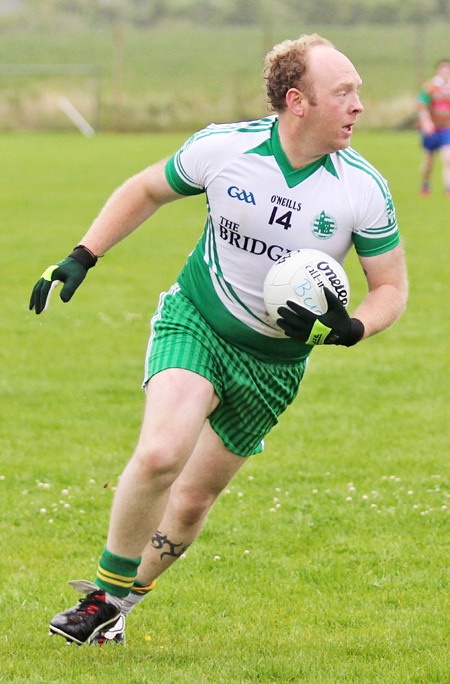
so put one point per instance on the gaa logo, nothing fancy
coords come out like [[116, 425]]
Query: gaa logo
[[324, 226], [241, 195]]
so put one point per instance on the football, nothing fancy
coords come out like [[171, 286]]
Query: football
[[301, 276]]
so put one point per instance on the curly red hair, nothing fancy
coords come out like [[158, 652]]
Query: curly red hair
[[285, 67]]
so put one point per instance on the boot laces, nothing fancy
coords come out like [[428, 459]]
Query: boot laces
[[89, 604]]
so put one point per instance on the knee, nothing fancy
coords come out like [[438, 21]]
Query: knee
[[158, 461], [190, 506]]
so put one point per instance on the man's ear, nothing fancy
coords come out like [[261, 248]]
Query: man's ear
[[295, 101]]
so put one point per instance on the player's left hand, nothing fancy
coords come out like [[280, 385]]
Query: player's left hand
[[333, 327], [71, 271]]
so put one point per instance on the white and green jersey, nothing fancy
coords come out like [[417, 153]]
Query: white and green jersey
[[258, 208]]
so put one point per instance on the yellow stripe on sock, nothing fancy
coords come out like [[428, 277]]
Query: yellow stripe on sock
[[111, 579], [107, 573], [144, 590]]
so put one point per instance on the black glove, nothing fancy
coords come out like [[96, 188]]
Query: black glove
[[333, 327], [71, 271]]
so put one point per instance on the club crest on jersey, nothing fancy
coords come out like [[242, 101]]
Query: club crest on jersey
[[390, 209], [323, 226], [241, 195]]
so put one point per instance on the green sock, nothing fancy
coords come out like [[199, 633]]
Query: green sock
[[116, 574]]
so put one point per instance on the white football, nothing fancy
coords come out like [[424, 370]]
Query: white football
[[300, 276]]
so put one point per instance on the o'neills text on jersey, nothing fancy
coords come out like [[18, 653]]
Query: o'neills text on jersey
[[286, 202]]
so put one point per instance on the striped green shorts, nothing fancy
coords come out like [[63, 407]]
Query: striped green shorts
[[252, 393]]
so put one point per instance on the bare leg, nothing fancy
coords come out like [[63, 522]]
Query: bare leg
[[427, 168], [205, 475], [178, 403], [445, 153]]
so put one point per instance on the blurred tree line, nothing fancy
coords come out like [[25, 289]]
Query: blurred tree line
[[148, 13], [134, 83]]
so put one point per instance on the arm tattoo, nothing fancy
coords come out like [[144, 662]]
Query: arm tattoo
[[160, 540]]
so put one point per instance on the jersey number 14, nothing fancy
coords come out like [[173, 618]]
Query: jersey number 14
[[284, 220]]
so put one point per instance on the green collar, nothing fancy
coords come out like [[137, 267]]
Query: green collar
[[272, 147]]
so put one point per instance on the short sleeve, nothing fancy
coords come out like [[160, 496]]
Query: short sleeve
[[188, 170], [424, 95], [377, 228]]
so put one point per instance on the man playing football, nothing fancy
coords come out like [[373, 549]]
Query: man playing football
[[218, 374]]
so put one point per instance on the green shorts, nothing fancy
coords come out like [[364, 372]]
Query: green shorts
[[252, 393]]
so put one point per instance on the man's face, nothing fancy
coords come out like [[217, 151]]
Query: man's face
[[331, 113], [444, 70]]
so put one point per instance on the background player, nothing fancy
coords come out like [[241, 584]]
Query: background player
[[434, 123], [218, 374]]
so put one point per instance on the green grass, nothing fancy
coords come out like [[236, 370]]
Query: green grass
[[182, 77], [346, 580]]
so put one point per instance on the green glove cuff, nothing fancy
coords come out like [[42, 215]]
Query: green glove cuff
[[355, 333], [84, 256]]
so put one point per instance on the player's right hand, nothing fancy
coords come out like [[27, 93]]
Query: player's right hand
[[71, 271], [333, 327]]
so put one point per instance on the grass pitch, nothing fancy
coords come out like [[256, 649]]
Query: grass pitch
[[326, 561]]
